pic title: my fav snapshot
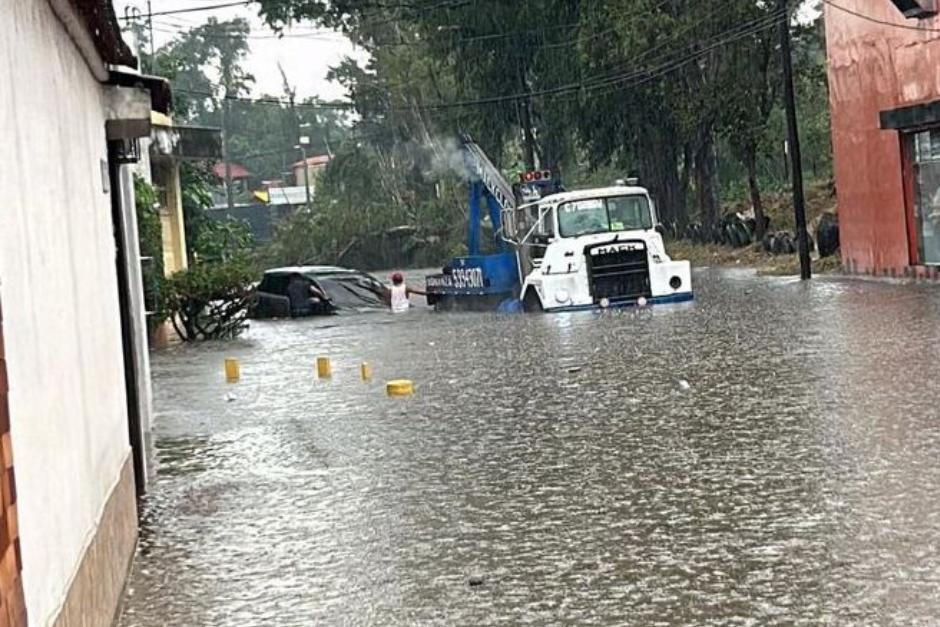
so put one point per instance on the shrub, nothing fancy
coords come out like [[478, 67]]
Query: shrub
[[210, 301]]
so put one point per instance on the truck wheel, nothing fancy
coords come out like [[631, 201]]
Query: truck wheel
[[531, 302]]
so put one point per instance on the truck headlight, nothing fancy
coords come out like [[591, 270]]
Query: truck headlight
[[675, 282], [562, 296]]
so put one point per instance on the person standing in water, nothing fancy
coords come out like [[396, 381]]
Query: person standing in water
[[399, 292]]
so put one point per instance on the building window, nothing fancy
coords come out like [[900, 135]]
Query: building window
[[916, 8], [927, 195]]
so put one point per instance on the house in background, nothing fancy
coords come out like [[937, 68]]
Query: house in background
[[241, 183], [314, 167], [294, 197], [74, 369], [884, 57], [170, 145]]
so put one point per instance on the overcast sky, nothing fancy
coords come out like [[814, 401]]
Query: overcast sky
[[306, 54]]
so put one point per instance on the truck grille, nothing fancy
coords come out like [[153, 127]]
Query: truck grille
[[619, 271]]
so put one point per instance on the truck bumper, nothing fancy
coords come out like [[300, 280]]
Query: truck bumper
[[681, 297]]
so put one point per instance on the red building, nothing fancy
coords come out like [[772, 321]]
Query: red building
[[884, 81]]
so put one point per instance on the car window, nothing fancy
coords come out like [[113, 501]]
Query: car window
[[274, 284]]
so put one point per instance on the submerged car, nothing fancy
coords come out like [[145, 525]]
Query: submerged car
[[303, 291]]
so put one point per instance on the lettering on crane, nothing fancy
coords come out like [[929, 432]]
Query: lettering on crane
[[459, 278], [491, 177]]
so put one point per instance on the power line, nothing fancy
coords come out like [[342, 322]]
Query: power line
[[632, 78], [445, 3], [605, 32], [589, 85], [674, 36], [734, 34], [240, 3], [322, 35], [339, 106], [210, 7], [875, 20]]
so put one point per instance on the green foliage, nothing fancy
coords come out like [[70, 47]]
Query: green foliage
[[297, 241], [192, 60], [220, 241], [686, 94], [150, 235], [196, 197], [682, 93], [209, 301], [374, 208]]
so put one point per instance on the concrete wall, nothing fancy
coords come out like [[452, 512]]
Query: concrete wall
[[59, 290], [873, 68]]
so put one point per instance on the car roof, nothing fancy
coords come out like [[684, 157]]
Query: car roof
[[597, 192], [312, 270]]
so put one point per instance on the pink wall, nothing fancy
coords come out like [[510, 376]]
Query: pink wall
[[873, 68]]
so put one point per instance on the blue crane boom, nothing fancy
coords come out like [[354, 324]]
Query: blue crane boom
[[486, 183], [482, 281]]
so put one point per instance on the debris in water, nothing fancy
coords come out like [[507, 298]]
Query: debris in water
[[575, 369], [230, 398], [684, 385], [475, 581]]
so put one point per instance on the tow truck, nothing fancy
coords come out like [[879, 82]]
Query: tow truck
[[559, 250]]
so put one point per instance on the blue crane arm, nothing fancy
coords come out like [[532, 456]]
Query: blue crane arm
[[493, 180]]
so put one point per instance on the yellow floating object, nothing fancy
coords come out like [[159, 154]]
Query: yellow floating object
[[402, 387], [233, 371], [366, 371], [324, 368]]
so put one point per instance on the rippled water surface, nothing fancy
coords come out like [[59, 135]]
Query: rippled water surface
[[767, 456]]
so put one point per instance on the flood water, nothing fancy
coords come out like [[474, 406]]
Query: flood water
[[769, 455]]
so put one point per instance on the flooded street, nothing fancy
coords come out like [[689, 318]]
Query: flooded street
[[768, 455]]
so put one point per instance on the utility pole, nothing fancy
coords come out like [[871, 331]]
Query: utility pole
[[302, 145], [796, 160], [302, 141], [153, 60], [229, 192]]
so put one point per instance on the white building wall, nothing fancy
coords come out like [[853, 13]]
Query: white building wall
[[59, 291]]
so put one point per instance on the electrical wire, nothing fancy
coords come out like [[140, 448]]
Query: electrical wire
[[736, 34], [210, 7], [240, 3], [633, 78], [339, 106]]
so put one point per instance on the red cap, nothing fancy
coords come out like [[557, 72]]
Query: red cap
[[398, 278]]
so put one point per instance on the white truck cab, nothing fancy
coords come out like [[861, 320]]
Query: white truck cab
[[594, 248]]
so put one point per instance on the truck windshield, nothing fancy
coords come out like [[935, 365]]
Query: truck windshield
[[604, 215]]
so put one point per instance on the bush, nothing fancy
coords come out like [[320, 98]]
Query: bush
[[150, 238], [210, 301]]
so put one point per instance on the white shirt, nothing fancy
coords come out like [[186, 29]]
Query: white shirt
[[400, 302]]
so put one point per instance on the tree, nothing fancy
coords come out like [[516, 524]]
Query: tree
[[654, 87], [753, 67]]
